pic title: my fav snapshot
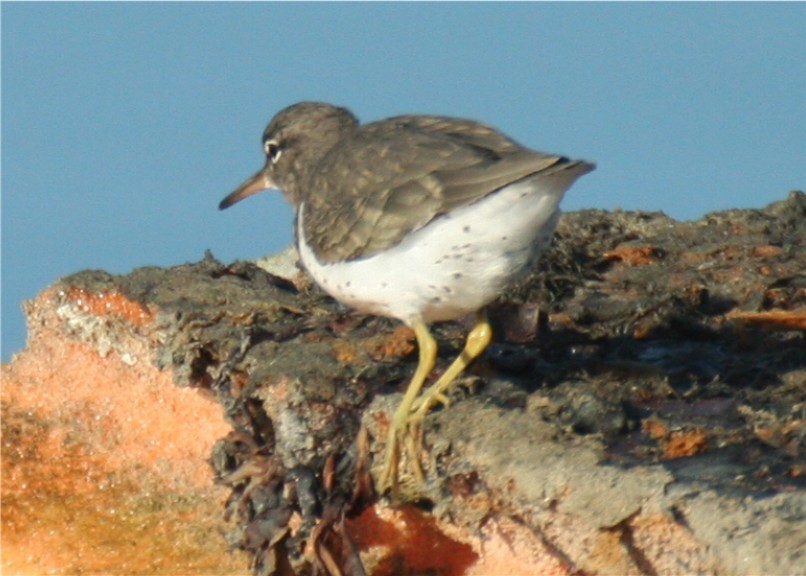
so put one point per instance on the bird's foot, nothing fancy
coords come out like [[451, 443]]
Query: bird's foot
[[427, 400], [404, 432]]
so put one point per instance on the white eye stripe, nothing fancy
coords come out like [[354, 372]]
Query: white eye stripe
[[272, 150]]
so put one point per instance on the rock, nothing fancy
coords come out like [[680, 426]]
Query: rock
[[104, 459], [641, 412]]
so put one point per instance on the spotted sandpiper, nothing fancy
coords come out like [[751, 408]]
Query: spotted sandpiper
[[419, 218]]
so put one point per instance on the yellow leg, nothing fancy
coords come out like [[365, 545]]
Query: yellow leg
[[477, 340], [399, 428]]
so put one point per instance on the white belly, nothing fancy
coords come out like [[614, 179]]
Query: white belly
[[453, 266]]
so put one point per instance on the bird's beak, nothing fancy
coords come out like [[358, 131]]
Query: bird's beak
[[259, 181]]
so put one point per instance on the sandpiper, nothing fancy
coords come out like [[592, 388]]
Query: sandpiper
[[419, 218]]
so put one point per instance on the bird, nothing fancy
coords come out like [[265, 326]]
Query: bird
[[421, 218]]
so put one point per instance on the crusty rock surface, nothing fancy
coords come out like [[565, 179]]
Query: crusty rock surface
[[641, 410]]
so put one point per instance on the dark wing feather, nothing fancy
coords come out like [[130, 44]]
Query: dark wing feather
[[380, 184]]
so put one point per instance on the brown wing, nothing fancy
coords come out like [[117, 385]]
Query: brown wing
[[395, 176], [472, 133]]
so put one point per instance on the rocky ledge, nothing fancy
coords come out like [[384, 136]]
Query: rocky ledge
[[642, 410]]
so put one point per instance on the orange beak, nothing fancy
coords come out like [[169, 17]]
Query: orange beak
[[259, 181]]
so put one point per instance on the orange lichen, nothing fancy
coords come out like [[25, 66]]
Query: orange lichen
[[101, 471], [642, 328], [654, 428], [685, 443], [381, 347], [398, 345], [677, 443], [66, 511], [772, 319], [344, 352], [632, 255], [796, 471], [110, 302], [767, 434], [408, 542], [767, 251]]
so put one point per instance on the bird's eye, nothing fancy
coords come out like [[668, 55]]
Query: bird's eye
[[272, 150]]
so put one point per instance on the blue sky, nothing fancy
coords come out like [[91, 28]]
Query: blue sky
[[124, 124]]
